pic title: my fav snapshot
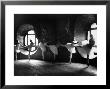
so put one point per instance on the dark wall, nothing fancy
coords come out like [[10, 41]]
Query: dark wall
[[53, 23], [82, 25], [56, 24]]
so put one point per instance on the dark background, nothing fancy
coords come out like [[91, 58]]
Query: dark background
[[55, 24]]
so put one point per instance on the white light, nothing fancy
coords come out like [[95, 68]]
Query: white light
[[94, 33], [85, 42], [31, 32], [68, 43], [75, 41], [18, 51], [93, 25]]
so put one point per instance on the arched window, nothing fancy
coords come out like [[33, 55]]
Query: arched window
[[31, 36], [93, 31]]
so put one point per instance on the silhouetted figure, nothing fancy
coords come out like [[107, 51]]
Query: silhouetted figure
[[17, 49], [29, 48], [90, 45]]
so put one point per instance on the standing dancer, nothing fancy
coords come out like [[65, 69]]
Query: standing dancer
[[90, 45], [17, 49], [43, 48], [29, 48]]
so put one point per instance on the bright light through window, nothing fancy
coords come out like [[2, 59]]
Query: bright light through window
[[93, 32], [93, 25], [31, 32], [31, 36]]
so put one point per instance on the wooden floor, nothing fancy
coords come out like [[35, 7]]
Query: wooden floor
[[42, 68]]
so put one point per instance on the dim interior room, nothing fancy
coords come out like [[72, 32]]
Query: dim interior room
[[57, 30], [50, 43]]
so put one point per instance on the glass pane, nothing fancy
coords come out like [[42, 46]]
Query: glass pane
[[93, 25], [26, 40], [31, 37], [88, 35], [36, 42], [94, 33], [31, 32]]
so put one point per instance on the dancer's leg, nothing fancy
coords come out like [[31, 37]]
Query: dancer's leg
[[88, 59], [70, 57], [54, 57], [43, 55], [29, 55], [16, 56]]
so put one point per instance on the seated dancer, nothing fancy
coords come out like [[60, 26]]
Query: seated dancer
[[29, 48]]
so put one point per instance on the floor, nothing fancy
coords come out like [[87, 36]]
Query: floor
[[33, 67]]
